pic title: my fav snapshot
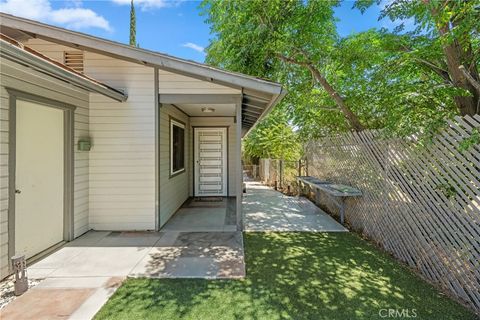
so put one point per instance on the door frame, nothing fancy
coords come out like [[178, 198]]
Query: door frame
[[227, 146], [68, 161]]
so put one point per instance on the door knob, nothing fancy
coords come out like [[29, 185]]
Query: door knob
[[18, 191]]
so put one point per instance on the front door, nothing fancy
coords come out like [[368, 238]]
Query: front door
[[39, 177], [210, 158]]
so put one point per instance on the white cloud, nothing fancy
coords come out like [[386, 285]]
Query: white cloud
[[194, 46], [70, 17], [149, 4], [79, 18]]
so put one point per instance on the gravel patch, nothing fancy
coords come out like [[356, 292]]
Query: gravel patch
[[7, 293]]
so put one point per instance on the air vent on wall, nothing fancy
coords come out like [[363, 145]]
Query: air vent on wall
[[74, 60]]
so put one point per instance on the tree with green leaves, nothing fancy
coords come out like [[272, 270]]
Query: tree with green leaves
[[453, 50], [133, 25], [273, 138], [395, 81], [261, 38]]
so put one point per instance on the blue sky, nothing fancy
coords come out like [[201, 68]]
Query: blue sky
[[169, 26]]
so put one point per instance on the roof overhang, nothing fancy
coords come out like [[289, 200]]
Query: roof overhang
[[126, 52], [14, 53], [258, 95], [254, 105]]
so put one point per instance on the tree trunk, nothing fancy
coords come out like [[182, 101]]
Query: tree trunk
[[454, 54], [466, 105], [351, 117]]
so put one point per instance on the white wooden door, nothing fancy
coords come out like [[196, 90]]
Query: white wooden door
[[39, 174], [210, 158]]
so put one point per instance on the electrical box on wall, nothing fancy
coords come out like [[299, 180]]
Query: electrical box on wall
[[84, 144]]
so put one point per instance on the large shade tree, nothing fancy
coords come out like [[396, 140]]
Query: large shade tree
[[397, 81], [453, 50], [261, 38]]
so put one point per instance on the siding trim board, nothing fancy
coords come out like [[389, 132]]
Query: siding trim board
[[68, 163], [174, 191], [179, 109], [238, 168], [157, 106]]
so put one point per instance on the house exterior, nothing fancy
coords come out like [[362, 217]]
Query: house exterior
[[100, 135]]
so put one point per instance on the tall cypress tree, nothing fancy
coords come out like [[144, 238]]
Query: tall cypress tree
[[133, 26]]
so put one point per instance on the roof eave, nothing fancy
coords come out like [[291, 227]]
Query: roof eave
[[146, 57], [14, 53], [273, 102]]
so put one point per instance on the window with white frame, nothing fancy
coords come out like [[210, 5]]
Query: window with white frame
[[177, 147]]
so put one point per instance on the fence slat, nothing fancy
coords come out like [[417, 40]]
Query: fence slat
[[421, 203]]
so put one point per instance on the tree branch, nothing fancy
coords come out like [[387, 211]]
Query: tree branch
[[290, 60], [351, 117], [470, 79], [441, 72], [435, 68]]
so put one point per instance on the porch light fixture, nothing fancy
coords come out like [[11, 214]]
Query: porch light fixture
[[208, 110]]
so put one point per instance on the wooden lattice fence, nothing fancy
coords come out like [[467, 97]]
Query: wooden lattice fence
[[421, 202], [269, 171]]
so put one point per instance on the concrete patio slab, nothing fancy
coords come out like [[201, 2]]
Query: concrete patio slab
[[204, 216], [111, 255], [40, 273], [89, 269], [77, 282], [268, 210], [197, 219], [195, 255], [88, 239], [59, 258], [102, 262]]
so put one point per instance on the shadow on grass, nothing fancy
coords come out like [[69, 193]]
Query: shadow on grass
[[291, 276]]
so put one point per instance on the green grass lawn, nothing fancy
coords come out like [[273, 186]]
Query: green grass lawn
[[291, 276]]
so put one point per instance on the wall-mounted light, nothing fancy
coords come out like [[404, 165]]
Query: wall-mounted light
[[84, 144], [208, 110]]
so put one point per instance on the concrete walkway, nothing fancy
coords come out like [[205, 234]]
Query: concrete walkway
[[268, 210], [204, 216], [81, 276]]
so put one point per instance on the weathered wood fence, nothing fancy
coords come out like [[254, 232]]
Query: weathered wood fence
[[280, 173], [421, 203]]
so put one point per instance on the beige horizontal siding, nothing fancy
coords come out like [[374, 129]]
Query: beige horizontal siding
[[121, 164], [122, 160], [173, 190], [24, 79]]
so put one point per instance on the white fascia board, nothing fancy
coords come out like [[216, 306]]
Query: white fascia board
[[126, 52], [273, 102], [18, 55]]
